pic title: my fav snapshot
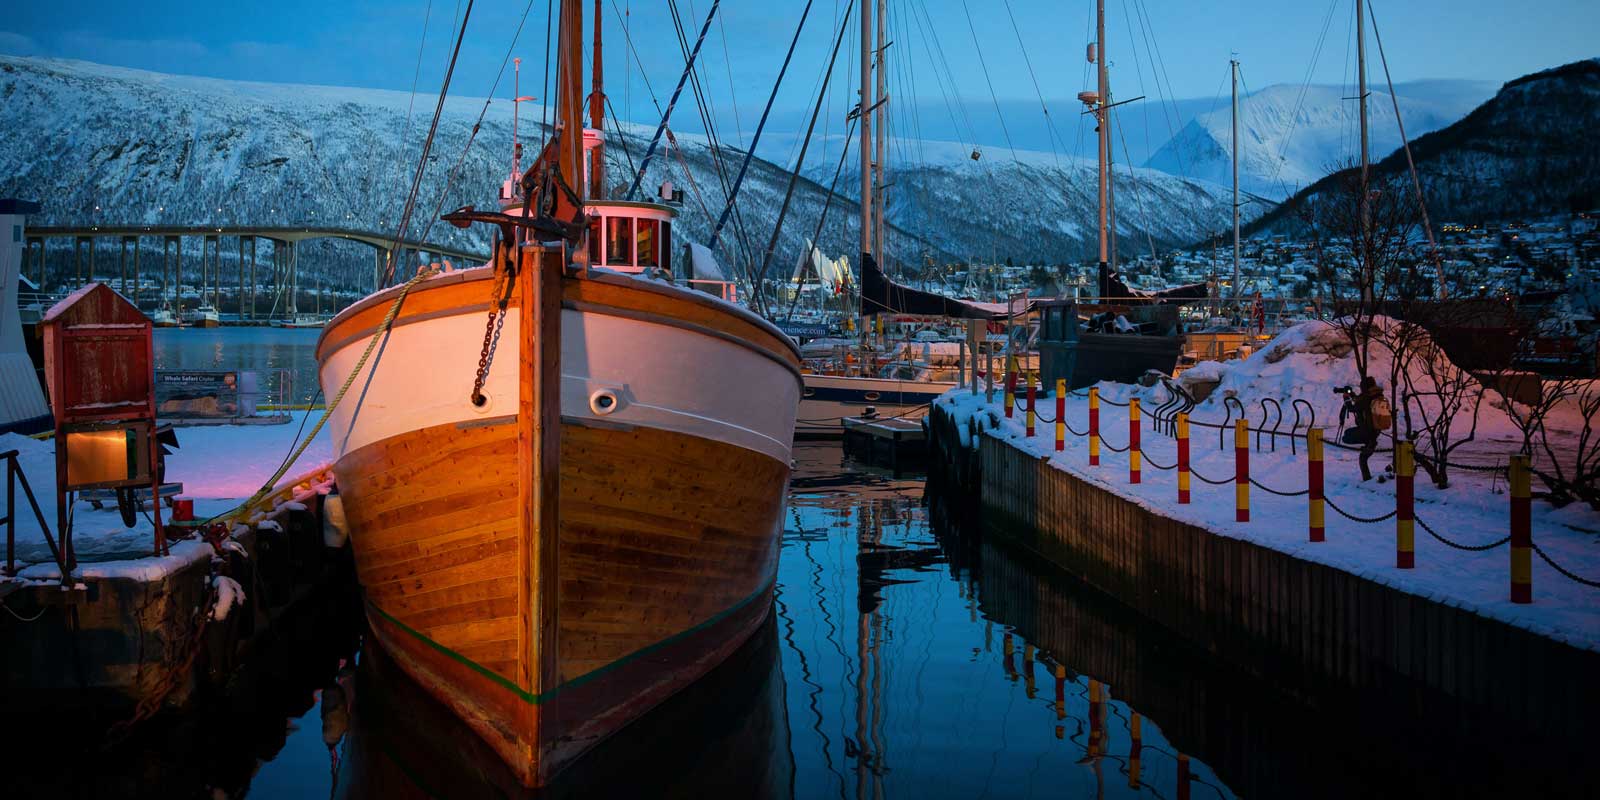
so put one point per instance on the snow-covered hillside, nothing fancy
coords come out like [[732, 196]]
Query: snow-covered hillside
[[112, 145], [1287, 141]]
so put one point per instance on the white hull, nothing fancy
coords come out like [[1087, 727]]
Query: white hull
[[665, 376]]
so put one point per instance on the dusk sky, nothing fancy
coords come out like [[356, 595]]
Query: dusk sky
[[362, 43]]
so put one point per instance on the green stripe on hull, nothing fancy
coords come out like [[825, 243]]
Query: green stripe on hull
[[536, 699]]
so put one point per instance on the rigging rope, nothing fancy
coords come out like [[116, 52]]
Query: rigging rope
[[427, 146], [1405, 144], [978, 49], [688, 69], [794, 176], [1049, 124]]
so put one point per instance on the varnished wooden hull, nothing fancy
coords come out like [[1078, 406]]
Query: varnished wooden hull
[[668, 533]]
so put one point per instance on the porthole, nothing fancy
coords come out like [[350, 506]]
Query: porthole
[[482, 402], [604, 401], [808, 392], [871, 396]]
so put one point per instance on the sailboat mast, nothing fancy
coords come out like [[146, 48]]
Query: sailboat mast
[[1361, 92], [881, 103], [597, 116], [1235, 70], [865, 122], [1104, 119]]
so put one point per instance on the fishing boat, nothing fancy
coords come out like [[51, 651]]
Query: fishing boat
[[163, 317], [558, 528], [202, 316], [300, 321]]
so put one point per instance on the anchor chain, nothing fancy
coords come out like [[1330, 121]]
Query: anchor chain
[[495, 323]]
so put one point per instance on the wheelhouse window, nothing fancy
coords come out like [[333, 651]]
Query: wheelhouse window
[[646, 240], [619, 241]]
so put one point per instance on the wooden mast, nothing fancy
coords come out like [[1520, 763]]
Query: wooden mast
[[597, 117], [880, 110], [864, 120]]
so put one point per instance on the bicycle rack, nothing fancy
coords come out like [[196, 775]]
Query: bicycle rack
[[1227, 404], [1294, 431], [1278, 421]]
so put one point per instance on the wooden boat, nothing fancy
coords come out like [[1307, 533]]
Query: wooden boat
[[597, 527]]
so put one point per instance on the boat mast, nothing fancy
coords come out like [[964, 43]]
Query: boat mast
[[597, 116], [516, 108], [1361, 93], [1234, 63], [569, 113], [864, 119], [1104, 119], [880, 105]]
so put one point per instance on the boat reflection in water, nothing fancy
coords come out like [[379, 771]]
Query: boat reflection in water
[[724, 736]]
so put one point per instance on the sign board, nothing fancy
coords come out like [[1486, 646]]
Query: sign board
[[803, 330], [206, 393]]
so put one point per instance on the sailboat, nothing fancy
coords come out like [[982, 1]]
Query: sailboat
[[558, 530], [1127, 333]]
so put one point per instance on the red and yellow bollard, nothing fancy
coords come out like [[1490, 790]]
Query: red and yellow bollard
[[1521, 532], [1241, 471], [1183, 777], [1136, 749], [1405, 509], [1183, 459], [1314, 483], [1061, 414], [1094, 426], [1133, 440], [1011, 385], [1061, 700], [1032, 415], [1097, 721]]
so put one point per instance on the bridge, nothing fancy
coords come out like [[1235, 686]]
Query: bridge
[[285, 262]]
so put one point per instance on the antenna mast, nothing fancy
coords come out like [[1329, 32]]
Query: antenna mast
[[881, 109], [1103, 117]]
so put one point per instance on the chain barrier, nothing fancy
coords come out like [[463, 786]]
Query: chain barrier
[[1471, 548], [1562, 570], [1113, 448], [1204, 479], [1158, 465], [1353, 517], [1270, 490]]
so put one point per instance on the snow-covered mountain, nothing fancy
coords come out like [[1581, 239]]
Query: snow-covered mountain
[[1528, 152], [1289, 138], [120, 146]]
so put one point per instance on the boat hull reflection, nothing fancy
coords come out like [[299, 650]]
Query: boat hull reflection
[[726, 735]]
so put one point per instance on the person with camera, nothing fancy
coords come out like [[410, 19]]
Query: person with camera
[[1372, 415]]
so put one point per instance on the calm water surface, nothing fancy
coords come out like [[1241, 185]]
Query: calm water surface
[[285, 357]]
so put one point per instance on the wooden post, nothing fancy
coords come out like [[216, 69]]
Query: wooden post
[[988, 374], [1061, 693], [1241, 471], [539, 442], [1314, 483], [1133, 440], [1031, 414], [1061, 414], [1183, 458], [1521, 531], [1094, 426], [1405, 471]]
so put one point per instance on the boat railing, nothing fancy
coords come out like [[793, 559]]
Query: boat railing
[[724, 289]]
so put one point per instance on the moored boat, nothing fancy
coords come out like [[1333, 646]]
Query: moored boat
[[559, 528]]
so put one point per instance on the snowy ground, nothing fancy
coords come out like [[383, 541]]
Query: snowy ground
[[218, 466], [1473, 511]]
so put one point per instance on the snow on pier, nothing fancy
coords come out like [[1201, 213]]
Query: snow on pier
[[1473, 511]]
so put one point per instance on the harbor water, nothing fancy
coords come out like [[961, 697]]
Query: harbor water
[[905, 656]]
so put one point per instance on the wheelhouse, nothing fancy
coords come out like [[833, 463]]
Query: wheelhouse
[[630, 237]]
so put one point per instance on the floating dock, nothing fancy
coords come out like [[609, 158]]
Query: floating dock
[[895, 443]]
